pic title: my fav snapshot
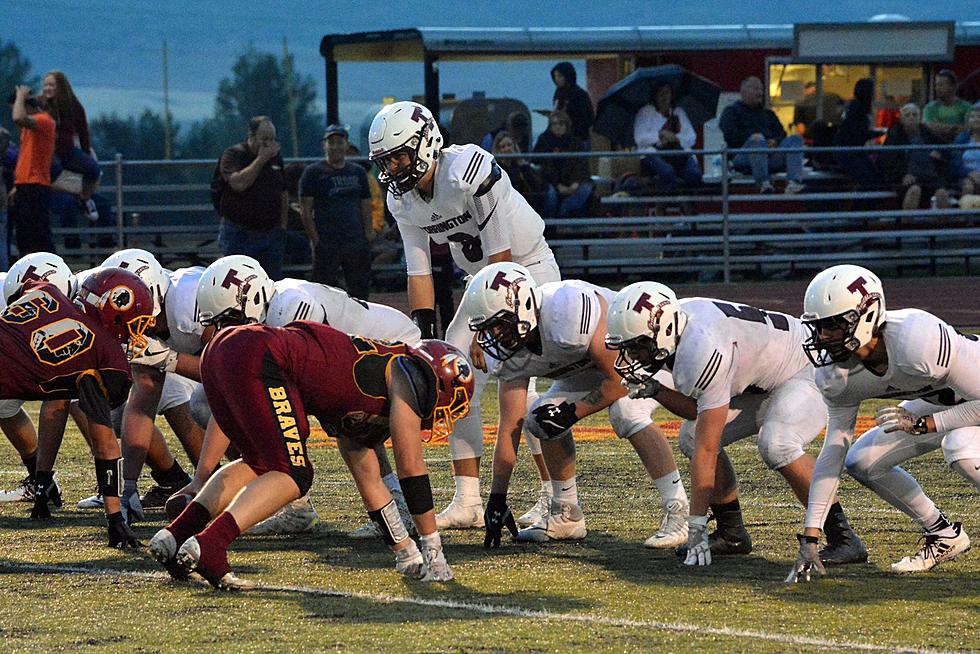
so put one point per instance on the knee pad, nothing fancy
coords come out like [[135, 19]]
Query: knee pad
[[779, 446], [200, 409], [858, 462], [962, 443], [627, 416], [686, 438]]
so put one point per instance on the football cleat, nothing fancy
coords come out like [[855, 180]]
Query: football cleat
[[937, 549], [92, 502], [460, 516], [849, 550], [163, 548], [157, 496], [176, 504], [540, 509], [564, 522], [189, 558], [673, 527], [23, 492], [730, 543], [297, 517], [436, 567], [370, 530]]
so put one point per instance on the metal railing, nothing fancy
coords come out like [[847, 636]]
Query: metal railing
[[165, 206]]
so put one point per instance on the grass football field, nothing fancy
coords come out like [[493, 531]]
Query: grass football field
[[63, 590]]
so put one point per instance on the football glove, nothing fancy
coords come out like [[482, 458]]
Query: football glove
[[409, 561], [495, 518], [436, 567], [807, 560], [120, 535], [646, 389], [157, 355], [896, 418], [45, 491], [425, 320], [698, 550], [555, 419]]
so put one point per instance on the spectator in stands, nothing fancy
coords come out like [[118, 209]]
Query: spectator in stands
[[523, 176], [569, 178], [32, 175], [4, 248], [336, 204], [965, 164], [73, 145], [946, 115], [517, 127], [920, 173], [665, 128], [573, 100], [805, 111], [254, 202], [747, 123], [855, 130]]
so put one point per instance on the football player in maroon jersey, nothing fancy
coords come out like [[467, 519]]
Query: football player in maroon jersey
[[261, 383], [57, 349]]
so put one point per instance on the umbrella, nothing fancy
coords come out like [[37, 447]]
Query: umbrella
[[617, 108]]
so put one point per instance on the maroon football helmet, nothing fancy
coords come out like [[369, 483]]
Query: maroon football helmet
[[123, 303], [454, 384]]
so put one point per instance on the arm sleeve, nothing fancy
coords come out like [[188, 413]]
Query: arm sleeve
[[729, 128], [687, 135], [776, 129], [101, 391], [418, 259], [830, 463], [929, 113]]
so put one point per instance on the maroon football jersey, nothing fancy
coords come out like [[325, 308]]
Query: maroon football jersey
[[342, 379], [49, 343]]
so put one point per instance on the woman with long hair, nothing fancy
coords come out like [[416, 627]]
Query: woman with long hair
[[663, 127], [73, 145]]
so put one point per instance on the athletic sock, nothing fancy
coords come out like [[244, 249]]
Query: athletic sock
[[670, 488], [467, 490], [191, 520], [565, 491], [214, 542], [392, 483], [30, 462], [174, 476], [547, 488], [728, 516], [940, 526]]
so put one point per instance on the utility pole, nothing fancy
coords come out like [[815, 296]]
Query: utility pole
[[287, 66], [167, 121]]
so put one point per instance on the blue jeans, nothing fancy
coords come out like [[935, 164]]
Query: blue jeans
[[79, 162], [572, 205], [266, 246], [665, 175], [760, 165]]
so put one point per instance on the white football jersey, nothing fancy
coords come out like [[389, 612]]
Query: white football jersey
[[296, 299], [728, 349], [474, 226], [568, 314], [3, 300], [180, 305]]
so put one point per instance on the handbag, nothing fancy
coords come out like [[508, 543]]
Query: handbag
[[68, 182]]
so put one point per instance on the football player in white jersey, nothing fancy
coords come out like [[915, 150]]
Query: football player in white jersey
[[862, 352], [556, 330], [227, 288], [743, 373], [460, 196]]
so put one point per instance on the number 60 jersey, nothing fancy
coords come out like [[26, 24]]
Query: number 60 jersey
[[49, 345], [729, 349]]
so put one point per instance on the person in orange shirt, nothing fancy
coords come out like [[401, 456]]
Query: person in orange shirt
[[32, 176]]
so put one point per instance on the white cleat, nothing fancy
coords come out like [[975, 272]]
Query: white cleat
[[23, 492], [297, 517], [460, 516], [564, 522], [673, 527], [93, 502], [536, 512], [936, 550], [163, 547]]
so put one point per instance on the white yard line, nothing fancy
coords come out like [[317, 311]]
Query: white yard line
[[508, 611]]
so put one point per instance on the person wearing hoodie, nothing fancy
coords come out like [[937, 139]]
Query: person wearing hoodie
[[573, 100], [855, 130], [570, 184]]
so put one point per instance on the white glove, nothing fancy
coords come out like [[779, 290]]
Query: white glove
[[895, 418], [409, 561], [157, 355], [807, 560], [649, 388], [436, 568], [698, 550]]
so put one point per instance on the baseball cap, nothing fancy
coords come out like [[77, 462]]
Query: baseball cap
[[335, 129]]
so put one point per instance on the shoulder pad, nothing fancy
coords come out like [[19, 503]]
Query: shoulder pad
[[570, 315], [292, 304], [492, 178], [470, 167], [921, 343], [700, 356]]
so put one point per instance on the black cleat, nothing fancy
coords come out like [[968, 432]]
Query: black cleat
[[848, 549], [730, 543], [157, 496]]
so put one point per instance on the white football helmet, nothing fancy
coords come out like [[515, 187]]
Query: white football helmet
[[147, 268], [645, 325], [501, 302], [844, 308], [43, 266], [404, 128], [234, 290]]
